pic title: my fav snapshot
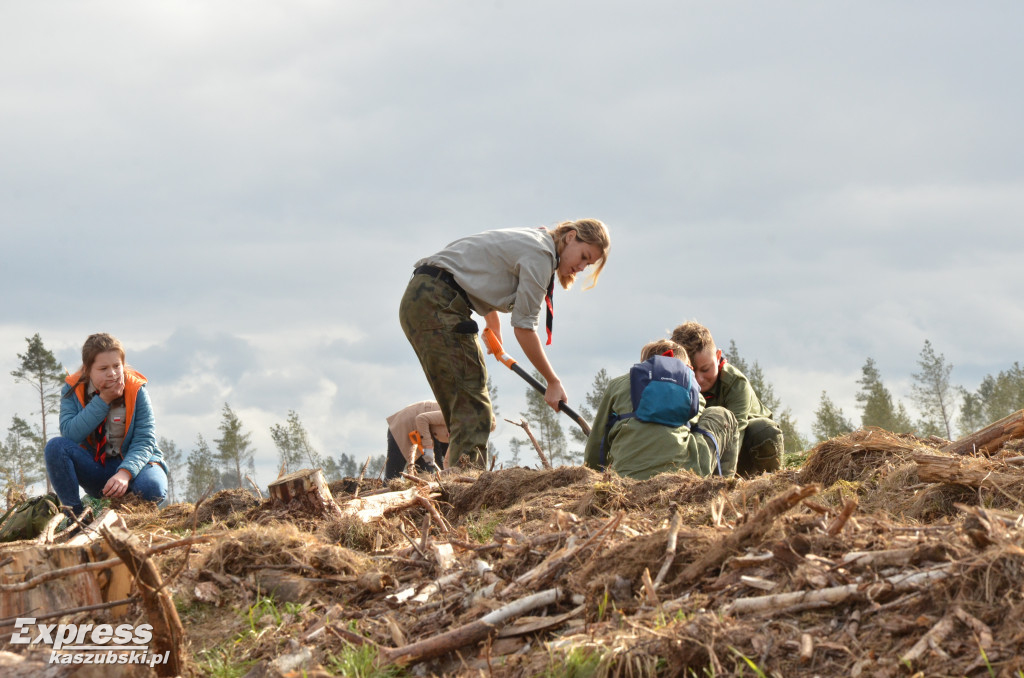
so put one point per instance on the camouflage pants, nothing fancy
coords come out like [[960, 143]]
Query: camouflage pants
[[721, 423], [761, 449], [436, 320]]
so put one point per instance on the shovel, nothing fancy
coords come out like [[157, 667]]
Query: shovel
[[494, 346]]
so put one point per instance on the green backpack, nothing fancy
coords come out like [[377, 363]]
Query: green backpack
[[28, 519]]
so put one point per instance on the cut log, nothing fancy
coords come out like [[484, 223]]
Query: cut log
[[471, 633], [933, 468], [835, 595], [372, 508], [309, 489], [991, 438], [914, 555], [26, 560]]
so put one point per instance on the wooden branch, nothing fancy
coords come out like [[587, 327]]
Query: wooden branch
[[415, 479], [59, 574], [649, 592], [525, 425], [476, 548], [756, 527], [835, 595], [74, 610], [255, 486], [359, 480], [935, 635], [556, 560], [425, 531], [674, 524], [416, 547], [50, 575], [168, 633], [933, 468], [470, 633], [895, 557], [432, 510], [837, 525], [806, 647], [991, 438]]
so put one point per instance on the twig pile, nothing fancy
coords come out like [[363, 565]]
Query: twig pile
[[881, 557]]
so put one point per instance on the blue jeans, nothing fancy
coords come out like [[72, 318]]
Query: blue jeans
[[70, 465]]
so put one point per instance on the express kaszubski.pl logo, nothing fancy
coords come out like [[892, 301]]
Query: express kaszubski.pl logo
[[90, 643]]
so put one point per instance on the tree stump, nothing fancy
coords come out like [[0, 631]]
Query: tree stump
[[22, 561], [307, 487]]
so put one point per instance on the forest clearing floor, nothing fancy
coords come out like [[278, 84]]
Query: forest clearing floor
[[879, 556]]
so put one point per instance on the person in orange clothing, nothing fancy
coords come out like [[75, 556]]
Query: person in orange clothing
[[426, 419], [108, 435]]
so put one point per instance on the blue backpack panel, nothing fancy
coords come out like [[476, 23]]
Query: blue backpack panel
[[664, 391]]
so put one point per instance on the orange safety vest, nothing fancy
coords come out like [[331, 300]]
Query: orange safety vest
[[133, 381]]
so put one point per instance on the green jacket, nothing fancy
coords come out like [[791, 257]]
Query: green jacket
[[638, 449], [733, 391]]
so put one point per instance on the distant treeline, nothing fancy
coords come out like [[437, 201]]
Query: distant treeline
[[943, 409]]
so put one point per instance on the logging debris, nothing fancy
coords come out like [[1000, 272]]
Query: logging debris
[[881, 556]]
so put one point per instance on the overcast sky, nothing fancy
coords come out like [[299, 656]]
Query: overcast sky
[[238, 190]]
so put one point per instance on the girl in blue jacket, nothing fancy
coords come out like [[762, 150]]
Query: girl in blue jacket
[[108, 441]]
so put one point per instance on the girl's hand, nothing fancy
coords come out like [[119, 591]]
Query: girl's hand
[[112, 390], [555, 394], [493, 323], [118, 484]]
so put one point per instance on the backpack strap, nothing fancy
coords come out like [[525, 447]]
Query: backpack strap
[[714, 441], [613, 417]]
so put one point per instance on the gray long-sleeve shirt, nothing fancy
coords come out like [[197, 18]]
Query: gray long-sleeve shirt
[[505, 270]]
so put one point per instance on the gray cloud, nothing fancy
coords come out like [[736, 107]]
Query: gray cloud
[[238, 191]]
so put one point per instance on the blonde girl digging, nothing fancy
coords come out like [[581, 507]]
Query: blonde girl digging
[[501, 271]]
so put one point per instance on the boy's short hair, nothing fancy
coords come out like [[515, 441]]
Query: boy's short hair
[[694, 337], [660, 346]]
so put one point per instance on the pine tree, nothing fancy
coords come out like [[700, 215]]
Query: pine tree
[[546, 427], [492, 392], [376, 465], [972, 411], [732, 354], [792, 440], [516, 444], [293, 444], [234, 454], [21, 458], [347, 466], [933, 394], [877, 403], [173, 459], [203, 476], [829, 421], [41, 370], [591, 402], [1007, 394], [332, 471], [995, 398]]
